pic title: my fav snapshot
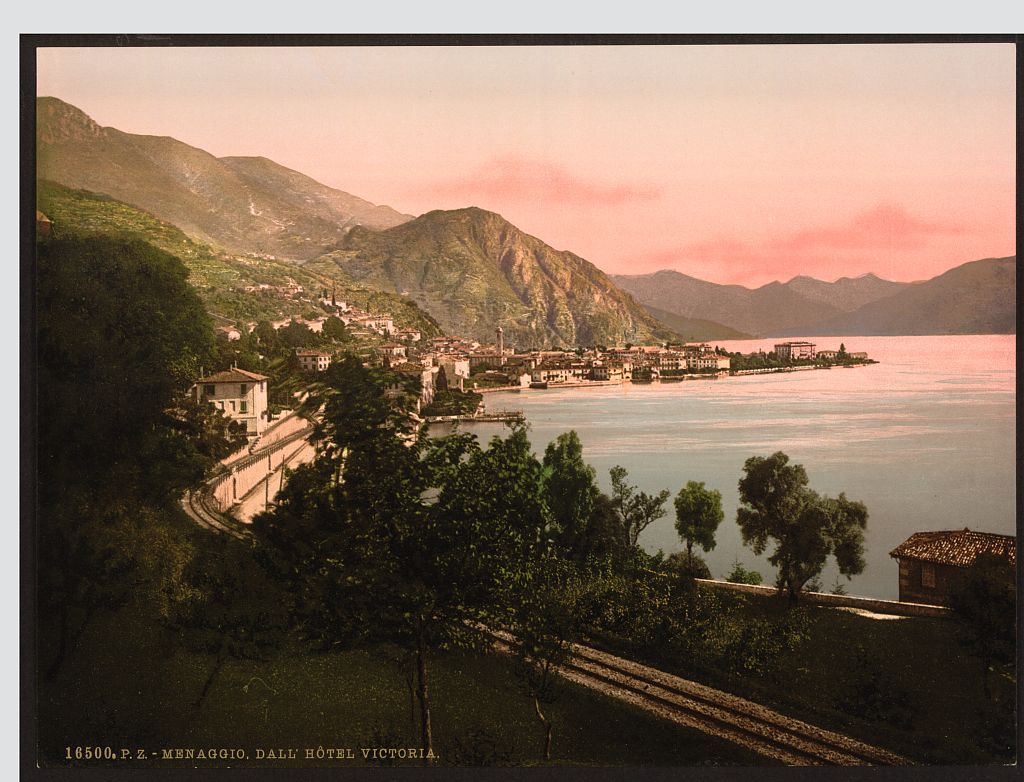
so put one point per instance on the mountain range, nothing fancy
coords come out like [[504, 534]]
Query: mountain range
[[472, 270], [978, 297]]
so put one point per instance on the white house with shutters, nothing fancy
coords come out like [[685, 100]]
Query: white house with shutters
[[240, 394]]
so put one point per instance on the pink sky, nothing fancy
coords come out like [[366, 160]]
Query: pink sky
[[736, 164]]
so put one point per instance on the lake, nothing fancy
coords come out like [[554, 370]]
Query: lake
[[925, 439]]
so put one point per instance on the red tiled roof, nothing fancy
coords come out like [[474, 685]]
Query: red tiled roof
[[956, 547], [233, 376]]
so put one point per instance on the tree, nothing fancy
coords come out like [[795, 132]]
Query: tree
[[229, 610], [688, 566], [570, 491], [335, 330], [265, 337], [544, 627], [210, 432], [636, 511], [807, 528], [698, 514], [120, 337], [740, 575], [392, 539], [297, 335]]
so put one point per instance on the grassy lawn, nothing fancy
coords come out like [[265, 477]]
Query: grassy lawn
[[125, 686], [929, 690]]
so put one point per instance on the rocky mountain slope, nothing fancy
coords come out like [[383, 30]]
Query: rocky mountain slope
[[473, 270]]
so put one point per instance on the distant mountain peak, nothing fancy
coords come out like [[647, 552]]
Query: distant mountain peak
[[472, 269]]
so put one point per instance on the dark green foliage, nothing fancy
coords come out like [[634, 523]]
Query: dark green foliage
[[571, 492], [667, 613], [209, 434], [334, 330], [698, 514], [265, 337], [453, 402], [688, 565], [220, 278], [807, 528], [737, 644], [229, 610], [740, 575], [386, 538], [298, 335], [120, 337], [869, 691]]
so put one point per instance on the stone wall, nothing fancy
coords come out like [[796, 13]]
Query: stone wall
[[893, 607]]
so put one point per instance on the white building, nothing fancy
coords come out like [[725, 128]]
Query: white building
[[709, 361], [790, 351], [313, 360], [240, 394]]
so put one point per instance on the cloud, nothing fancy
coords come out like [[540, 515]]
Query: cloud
[[885, 226], [828, 252], [513, 178]]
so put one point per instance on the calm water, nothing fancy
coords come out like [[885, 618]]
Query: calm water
[[926, 439]]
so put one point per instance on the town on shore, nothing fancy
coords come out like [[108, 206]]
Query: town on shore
[[453, 371]]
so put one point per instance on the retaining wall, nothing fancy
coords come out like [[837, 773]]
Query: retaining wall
[[893, 607]]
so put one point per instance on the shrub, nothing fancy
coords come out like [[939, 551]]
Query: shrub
[[740, 575]]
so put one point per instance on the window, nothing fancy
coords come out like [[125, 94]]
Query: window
[[232, 405], [928, 575], [244, 389], [243, 406], [209, 390]]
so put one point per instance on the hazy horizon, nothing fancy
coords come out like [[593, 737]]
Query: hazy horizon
[[733, 164]]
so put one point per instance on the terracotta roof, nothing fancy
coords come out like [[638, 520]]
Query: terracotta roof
[[956, 547], [233, 376]]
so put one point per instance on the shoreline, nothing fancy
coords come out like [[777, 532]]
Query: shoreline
[[671, 379]]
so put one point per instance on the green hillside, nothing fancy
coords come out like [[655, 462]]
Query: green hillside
[[220, 277]]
